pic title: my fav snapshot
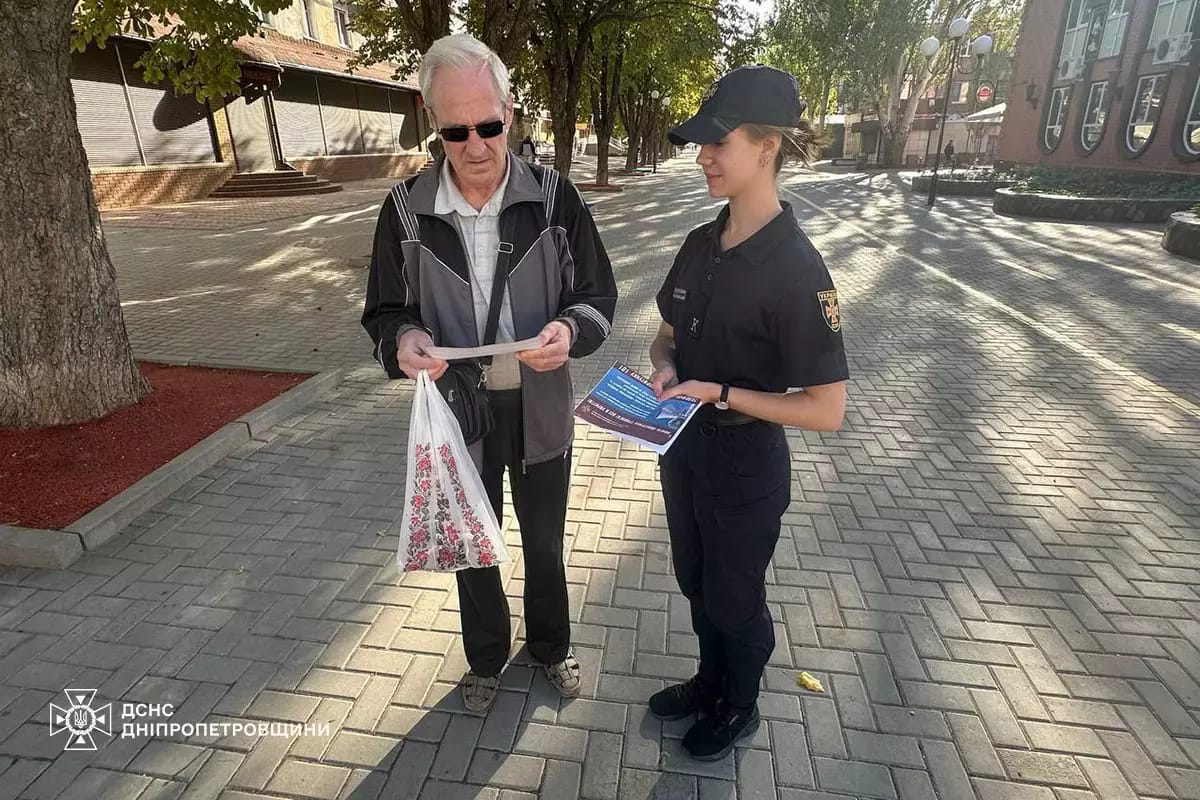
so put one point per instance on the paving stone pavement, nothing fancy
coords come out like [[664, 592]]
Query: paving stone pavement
[[992, 568]]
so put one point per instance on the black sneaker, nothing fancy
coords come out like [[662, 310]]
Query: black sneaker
[[712, 738], [684, 699]]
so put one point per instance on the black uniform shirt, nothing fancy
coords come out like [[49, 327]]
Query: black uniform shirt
[[763, 315]]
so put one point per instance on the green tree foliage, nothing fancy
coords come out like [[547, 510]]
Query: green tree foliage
[[400, 31], [868, 49]]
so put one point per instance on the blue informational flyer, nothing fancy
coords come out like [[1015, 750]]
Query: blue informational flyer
[[623, 403]]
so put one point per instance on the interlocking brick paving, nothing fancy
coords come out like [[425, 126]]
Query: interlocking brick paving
[[992, 567]]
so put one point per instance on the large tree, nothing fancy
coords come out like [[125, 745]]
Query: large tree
[[673, 52], [64, 352], [565, 35]]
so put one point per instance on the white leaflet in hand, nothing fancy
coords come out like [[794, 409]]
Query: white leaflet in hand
[[501, 349]]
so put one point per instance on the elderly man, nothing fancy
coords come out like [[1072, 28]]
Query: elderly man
[[431, 280]]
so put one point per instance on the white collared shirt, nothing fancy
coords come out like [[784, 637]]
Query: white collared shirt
[[481, 236]]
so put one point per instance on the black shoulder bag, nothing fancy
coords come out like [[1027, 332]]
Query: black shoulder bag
[[464, 384]]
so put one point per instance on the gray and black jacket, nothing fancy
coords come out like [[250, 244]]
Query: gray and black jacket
[[420, 277]]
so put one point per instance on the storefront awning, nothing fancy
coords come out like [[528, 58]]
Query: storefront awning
[[994, 115], [273, 49], [307, 54]]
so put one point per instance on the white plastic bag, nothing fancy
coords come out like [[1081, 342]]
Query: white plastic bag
[[448, 520]]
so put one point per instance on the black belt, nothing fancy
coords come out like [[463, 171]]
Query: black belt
[[712, 415]]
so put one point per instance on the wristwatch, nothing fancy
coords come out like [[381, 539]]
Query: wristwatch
[[723, 403]]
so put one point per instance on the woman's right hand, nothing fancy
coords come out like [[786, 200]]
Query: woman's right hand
[[663, 378]]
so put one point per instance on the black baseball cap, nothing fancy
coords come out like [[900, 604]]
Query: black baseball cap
[[759, 95]]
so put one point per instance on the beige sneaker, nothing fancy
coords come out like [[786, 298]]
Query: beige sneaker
[[566, 676], [479, 693]]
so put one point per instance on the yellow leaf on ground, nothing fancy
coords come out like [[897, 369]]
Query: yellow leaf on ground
[[809, 682]]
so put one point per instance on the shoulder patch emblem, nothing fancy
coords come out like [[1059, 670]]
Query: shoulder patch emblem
[[830, 310]]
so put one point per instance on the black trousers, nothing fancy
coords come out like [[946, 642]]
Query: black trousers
[[726, 489], [539, 496]]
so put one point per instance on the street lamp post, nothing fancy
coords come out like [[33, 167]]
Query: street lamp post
[[666, 101], [654, 128], [655, 94], [980, 47]]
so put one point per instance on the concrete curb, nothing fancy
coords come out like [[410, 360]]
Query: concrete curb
[[1182, 235], [1087, 209], [271, 413], [106, 521], [29, 547], [958, 188], [32, 547]]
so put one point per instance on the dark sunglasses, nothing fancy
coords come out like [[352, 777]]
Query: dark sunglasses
[[460, 133]]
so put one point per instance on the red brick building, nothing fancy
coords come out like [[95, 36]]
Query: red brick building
[[1111, 84]]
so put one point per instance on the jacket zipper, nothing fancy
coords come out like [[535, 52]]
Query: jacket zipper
[[462, 243]]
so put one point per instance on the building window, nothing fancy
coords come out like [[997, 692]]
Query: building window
[[1174, 17], [309, 27], [341, 15], [1056, 116], [1094, 116], [1114, 28], [1079, 20], [1147, 106], [960, 92], [1191, 129]]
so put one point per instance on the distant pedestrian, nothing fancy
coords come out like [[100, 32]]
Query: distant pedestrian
[[527, 151], [949, 153]]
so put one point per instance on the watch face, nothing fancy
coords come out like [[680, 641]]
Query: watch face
[[722, 405]]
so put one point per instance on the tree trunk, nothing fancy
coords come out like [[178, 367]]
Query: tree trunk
[[64, 353], [893, 131], [564, 137], [564, 73], [825, 99], [603, 120], [631, 155], [606, 91], [633, 110], [907, 112], [564, 98]]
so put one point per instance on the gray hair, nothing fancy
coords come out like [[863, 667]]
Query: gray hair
[[457, 51]]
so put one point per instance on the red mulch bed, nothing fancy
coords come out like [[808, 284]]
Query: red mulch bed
[[53, 476]]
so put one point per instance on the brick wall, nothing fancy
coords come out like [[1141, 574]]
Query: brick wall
[[1034, 64], [221, 125], [122, 187], [356, 168]]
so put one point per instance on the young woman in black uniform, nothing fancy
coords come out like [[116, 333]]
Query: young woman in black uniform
[[749, 311]]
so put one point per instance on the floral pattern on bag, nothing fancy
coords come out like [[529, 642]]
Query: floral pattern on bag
[[446, 540]]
